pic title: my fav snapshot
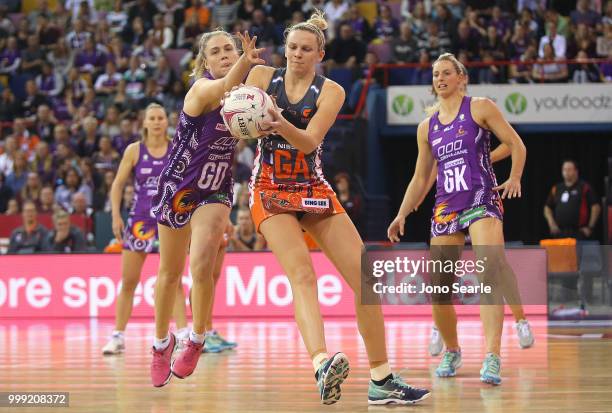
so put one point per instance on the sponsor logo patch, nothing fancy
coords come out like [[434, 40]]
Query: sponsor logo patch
[[315, 203]]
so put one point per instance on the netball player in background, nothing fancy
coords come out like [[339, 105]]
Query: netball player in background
[[457, 137], [511, 293], [146, 160], [289, 193], [194, 197]]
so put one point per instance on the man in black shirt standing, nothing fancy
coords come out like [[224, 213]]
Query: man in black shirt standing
[[572, 208]]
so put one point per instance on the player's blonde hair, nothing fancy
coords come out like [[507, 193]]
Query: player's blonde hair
[[316, 24], [200, 63], [461, 70]]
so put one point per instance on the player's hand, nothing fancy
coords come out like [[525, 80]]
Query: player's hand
[[276, 123], [397, 226], [118, 227], [511, 188], [251, 53]]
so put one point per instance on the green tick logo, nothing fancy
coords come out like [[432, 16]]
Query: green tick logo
[[402, 105], [516, 103]]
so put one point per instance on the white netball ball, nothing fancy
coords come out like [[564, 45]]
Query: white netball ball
[[244, 110]]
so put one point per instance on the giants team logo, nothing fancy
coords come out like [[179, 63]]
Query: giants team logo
[[306, 112], [139, 231], [182, 204]]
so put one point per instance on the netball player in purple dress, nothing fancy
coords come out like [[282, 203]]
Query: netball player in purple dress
[[146, 160], [457, 136], [194, 197]]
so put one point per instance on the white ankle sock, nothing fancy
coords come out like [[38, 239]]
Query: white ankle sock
[[196, 338], [380, 372], [118, 334], [318, 359], [161, 343], [182, 333]]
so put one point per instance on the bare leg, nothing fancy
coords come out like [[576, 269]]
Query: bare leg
[[131, 267], [338, 238], [488, 240], [444, 315], [216, 275], [173, 245], [207, 226], [180, 317], [284, 236]]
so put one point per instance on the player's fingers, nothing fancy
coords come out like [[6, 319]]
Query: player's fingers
[[117, 234], [505, 193], [274, 113]]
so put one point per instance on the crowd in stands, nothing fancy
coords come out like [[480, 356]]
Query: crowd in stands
[[75, 76]]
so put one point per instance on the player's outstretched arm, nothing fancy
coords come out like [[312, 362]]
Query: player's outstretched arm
[[205, 94]]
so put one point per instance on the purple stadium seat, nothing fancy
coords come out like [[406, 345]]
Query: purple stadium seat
[[15, 18], [382, 50], [174, 57]]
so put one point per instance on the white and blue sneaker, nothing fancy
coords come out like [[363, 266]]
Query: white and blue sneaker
[[215, 343], [451, 361], [227, 345], [489, 373], [395, 391], [525, 335], [330, 376], [436, 345]]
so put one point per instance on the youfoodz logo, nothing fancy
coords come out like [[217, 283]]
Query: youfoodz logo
[[515, 103], [402, 105]]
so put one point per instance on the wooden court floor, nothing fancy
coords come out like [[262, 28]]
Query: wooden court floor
[[269, 372]]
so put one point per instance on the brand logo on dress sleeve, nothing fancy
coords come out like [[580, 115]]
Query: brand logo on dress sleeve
[[461, 131]]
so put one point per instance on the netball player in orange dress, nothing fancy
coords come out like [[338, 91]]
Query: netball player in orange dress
[[289, 193]]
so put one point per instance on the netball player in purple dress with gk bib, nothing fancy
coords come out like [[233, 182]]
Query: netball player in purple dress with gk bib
[[194, 197], [457, 136]]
